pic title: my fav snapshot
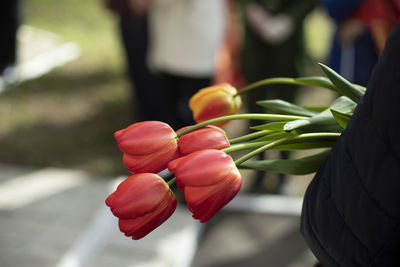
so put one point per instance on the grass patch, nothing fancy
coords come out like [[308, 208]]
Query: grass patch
[[67, 118]]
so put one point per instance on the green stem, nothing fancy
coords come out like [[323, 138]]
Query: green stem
[[262, 146], [249, 136], [281, 80], [278, 142], [171, 182], [252, 116], [244, 146]]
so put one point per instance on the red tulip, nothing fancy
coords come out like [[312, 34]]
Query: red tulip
[[208, 137], [148, 146], [209, 179], [215, 101], [142, 203]]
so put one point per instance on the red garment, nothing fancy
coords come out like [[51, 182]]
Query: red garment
[[227, 67], [379, 16]]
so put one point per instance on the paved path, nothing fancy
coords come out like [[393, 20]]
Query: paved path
[[57, 217]]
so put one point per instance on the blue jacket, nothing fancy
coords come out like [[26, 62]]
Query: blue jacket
[[351, 210], [362, 55]]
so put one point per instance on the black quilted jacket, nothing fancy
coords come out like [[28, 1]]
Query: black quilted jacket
[[351, 210]]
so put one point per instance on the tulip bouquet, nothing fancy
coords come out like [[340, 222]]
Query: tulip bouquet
[[198, 156]]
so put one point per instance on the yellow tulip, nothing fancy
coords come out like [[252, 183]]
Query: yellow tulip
[[215, 101]]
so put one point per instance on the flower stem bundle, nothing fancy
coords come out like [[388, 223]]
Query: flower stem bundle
[[199, 155]]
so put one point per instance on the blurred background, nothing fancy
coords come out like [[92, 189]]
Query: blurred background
[[66, 118], [59, 159]]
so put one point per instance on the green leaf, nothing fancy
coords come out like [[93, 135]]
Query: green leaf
[[301, 166], [341, 118], [273, 137], [317, 109], [285, 107], [343, 105], [342, 110], [298, 143], [308, 143], [360, 87], [317, 81], [322, 122], [311, 144], [273, 127], [344, 87]]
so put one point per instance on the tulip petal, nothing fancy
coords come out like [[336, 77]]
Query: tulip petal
[[198, 194], [215, 101], [211, 167], [109, 199], [174, 163], [154, 162], [138, 195], [141, 226], [213, 107], [145, 137], [209, 179], [142, 202], [208, 137], [148, 146], [205, 202]]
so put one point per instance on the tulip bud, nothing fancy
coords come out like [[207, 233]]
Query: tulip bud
[[142, 202], [208, 137], [215, 101], [209, 179], [148, 146]]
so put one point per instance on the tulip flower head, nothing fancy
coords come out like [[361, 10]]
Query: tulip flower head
[[208, 137], [148, 146], [209, 179], [215, 101], [142, 202]]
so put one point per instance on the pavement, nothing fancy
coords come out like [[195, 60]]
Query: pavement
[[57, 217]]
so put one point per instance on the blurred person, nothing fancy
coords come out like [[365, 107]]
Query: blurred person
[[186, 36], [9, 22], [362, 29], [133, 26], [351, 212], [273, 46], [228, 57]]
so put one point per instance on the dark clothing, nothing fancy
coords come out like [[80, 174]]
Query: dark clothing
[[175, 94], [9, 22], [351, 210], [134, 32]]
